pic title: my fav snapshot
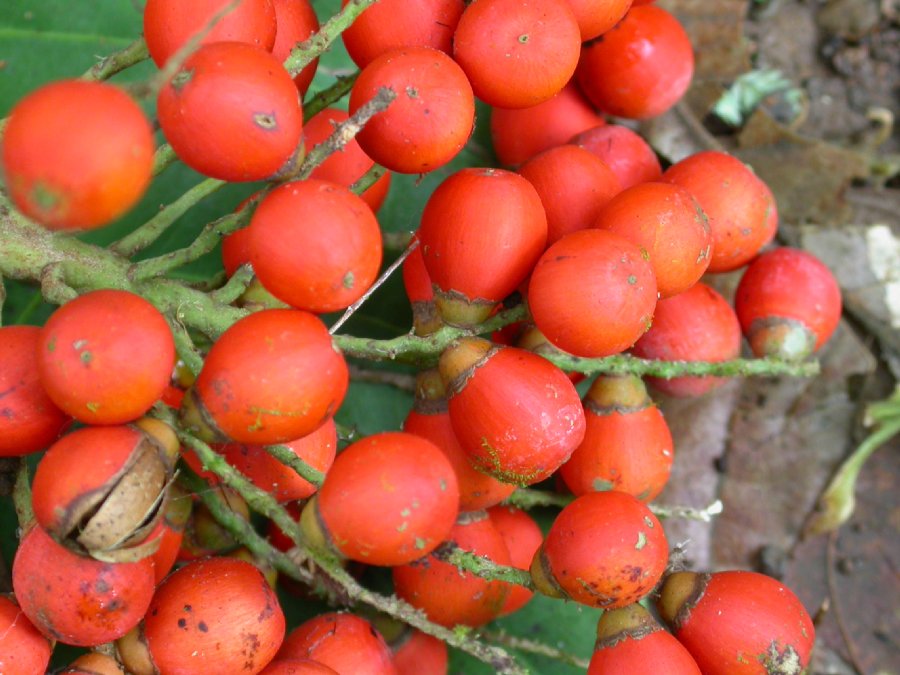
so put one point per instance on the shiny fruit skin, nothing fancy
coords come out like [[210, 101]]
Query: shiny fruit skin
[[349, 164], [430, 418], [388, 499], [393, 24], [789, 288], [273, 376], [697, 325], [215, 615], [738, 623], [23, 650], [518, 134], [666, 221], [516, 53], [232, 112], [573, 184], [169, 24], [76, 181], [297, 667], [738, 204], [449, 596], [627, 445], [516, 415], [295, 21], [29, 420], [628, 155], [315, 245], [76, 600], [417, 653], [630, 640], [317, 449], [592, 293], [640, 68], [482, 260], [596, 17], [106, 356], [345, 642], [523, 538], [429, 121], [605, 549]]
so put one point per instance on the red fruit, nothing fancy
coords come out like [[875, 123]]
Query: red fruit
[[595, 17], [592, 293], [738, 623], [236, 250], [344, 642], [668, 223], [448, 595], [518, 134], [417, 285], [627, 445], [297, 667], [474, 262], [232, 112], [523, 538], [624, 151], [317, 449], [106, 357], [516, 415], [76, 600], [788, 303], [273, 376], [640, 68], [430, 419], [315, 245], [416, 653], [392, 24], [573, 185], [430, 120], [605, 549], [697, 325], [516, 53], [170, 531], [393, 514], [216, 615], [738, 204], [29, 420], [23, 650], [169, 24], [76, 181], [350, 164], [295, 21], [112, 505], [629, 640]]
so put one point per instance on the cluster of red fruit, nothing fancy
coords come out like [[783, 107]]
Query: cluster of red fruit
[[606, 249]]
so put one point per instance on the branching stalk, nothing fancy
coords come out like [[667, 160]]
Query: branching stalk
[[328, 97], [118, 61]]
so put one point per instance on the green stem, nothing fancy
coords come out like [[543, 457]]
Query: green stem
[[527, 498], [22, 497], [234, 286], [205, 242], [533, 647], [154, 228], [289, 458], [482, 567], [309, 50], [163, 158], [368, 179], [185, 348], [34, 302], [329, 96], [118, 61]]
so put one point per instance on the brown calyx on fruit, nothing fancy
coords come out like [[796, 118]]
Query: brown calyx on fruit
[[194, 417], [622, 393], [460, 360], [457, 310], [315, 532], [628, 622], [431, 393], [680, 593], [542, 576], [134, 653], [781, 338], [94, 663]]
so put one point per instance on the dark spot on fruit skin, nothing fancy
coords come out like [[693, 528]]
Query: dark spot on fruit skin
[[182, 623], [202, 627], [188, 608]]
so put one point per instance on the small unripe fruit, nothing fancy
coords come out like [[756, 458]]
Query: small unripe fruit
[[738, 623]]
